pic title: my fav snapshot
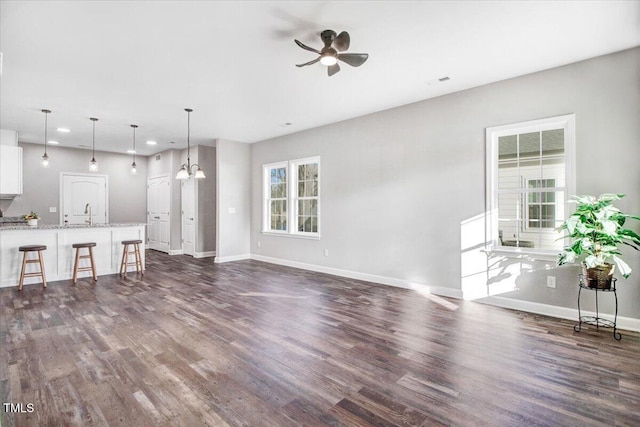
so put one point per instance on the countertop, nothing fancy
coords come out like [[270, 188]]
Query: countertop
[[65, 227]]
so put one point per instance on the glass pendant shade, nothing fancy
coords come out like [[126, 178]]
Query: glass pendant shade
[[199, 174], [45, 161], [183, 173], [93, 165], [133, 168]]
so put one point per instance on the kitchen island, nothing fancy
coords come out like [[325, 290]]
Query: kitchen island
[[59, 256]]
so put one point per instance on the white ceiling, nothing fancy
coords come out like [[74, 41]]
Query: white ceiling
[[143, 62]]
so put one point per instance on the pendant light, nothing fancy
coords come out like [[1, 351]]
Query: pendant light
[[93, 165], [185, 169], [133, 165], [45, 157]]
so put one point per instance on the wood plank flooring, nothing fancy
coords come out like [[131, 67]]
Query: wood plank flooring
[[247, 343]]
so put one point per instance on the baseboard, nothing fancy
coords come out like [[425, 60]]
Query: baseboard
[[390, 281], [220, 260], [204, 254], [175, 252], [626, 323]]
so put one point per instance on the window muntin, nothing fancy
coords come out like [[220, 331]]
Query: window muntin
[[292, 197], [530, 173]]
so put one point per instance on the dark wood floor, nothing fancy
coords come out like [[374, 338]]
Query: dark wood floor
[[253, 344]]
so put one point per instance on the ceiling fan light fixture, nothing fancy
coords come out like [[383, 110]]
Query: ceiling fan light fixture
[[328, 59]]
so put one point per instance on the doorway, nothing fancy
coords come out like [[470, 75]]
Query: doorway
[[84, 199], [188, 217], [158, 209]]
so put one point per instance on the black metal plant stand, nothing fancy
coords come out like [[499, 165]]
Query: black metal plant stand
[[598, 321]]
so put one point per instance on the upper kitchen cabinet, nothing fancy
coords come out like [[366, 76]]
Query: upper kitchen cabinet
[[10, 165]]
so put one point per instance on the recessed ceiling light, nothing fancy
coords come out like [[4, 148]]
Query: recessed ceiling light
[[64, 130], [151, 143], [131, 151], [436, 81], [53, 142]]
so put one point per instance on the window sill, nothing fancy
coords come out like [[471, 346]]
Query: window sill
[[294, 235], [530, 254]]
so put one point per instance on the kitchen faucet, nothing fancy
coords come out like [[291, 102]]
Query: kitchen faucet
[[87, 210]]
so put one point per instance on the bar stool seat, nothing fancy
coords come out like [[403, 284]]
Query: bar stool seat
[[76, 267], [26, 249], [136, 253]]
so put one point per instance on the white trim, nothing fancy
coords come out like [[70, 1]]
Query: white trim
[[207, 254], [390, 281], [625, 323], [310, 236], [174, 252], [220, 260]]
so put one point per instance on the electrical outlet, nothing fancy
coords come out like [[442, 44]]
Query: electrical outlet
[[259, 243], [326, 252], [551, 282]]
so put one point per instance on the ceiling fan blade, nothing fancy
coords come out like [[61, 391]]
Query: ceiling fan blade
[[332, 69], [353, 59], [342, 42], [308, 63], [305, 47]]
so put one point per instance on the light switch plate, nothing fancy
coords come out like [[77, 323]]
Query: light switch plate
[[53, 209]]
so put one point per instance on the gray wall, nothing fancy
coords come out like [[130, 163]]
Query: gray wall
[[233, 193], [41, 187], [403, 191]]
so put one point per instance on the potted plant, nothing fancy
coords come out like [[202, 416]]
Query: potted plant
[[32, 218], [597, 231]]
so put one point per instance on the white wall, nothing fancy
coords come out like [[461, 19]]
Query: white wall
[[403, 191]]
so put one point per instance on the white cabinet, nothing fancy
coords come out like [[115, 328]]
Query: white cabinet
[[10, 171]]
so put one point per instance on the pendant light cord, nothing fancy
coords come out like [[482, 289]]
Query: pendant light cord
[[188, 136], [93, 147], [134, 144], [46, 113]]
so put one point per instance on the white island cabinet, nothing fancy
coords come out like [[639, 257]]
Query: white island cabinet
[[59, 256]]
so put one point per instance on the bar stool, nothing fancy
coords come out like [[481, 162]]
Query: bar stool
[[125, 257], [76, 268], [25, 250]]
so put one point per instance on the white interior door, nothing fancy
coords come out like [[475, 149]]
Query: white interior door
[[83, 196], [159, 206], [188, 217]]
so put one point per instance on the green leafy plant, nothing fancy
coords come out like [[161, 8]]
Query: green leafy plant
[[30, 215], [597, 231]]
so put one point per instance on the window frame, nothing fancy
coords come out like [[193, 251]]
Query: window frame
[[492, 135], [266, 210], [292, 198]]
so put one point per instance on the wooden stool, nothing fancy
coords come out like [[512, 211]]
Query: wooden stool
[[76, 268], [125, 257], [32, 248]]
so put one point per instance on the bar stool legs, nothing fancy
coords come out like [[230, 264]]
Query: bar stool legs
[[76, 267], [125, 257], [25, 250]]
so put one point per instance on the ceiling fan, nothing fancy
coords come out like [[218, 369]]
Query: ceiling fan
[[334, 43]]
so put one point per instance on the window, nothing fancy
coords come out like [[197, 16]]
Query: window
[[292, 197], [530, 174]]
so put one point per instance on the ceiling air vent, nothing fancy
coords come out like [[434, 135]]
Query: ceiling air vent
[[158, 157]]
